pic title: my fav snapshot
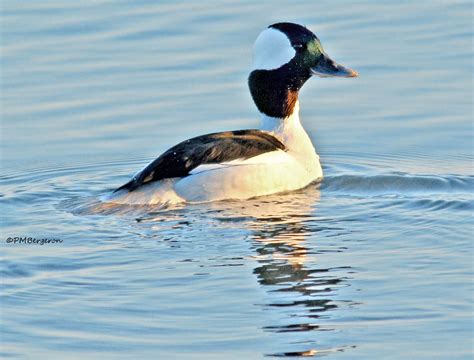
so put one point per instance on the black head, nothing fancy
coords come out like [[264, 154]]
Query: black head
[[286, 56]]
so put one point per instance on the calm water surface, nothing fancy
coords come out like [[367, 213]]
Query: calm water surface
[[374, 263]]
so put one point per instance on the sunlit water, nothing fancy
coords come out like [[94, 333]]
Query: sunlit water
[[374, 263]]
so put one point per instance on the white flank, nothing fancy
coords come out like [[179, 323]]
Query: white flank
[[265, 174], [272, 50]]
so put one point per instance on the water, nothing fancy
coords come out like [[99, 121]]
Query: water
[[375, 262]]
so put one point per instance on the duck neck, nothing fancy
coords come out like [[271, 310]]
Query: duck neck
[[275, 92], [284, 126], [289, 131]]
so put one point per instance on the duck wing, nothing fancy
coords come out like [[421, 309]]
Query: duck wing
[[213, 148]]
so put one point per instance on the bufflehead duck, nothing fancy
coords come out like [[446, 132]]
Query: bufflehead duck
[[242, 164]]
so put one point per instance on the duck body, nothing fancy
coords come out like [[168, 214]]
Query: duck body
[[278, 157]]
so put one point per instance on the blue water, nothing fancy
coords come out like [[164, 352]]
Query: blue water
[[375, 262]]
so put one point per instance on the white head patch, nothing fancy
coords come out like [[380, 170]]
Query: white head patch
[[272, 49]]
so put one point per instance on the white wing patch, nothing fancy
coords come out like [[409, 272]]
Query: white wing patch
[[207, 167], [272, 50], [273, 157]]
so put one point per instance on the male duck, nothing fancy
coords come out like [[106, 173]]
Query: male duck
[[242, 164]]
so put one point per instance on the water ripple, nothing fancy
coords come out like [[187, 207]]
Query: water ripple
[[401, 184]]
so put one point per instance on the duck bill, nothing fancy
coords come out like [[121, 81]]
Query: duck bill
[[327, 67]]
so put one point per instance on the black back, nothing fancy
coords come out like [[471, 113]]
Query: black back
[[205, 149]]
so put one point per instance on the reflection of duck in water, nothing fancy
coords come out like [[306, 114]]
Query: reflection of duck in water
[[299, 290], [243, 164], [281, 230]]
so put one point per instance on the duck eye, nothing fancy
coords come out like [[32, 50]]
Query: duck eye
[[300, 46]]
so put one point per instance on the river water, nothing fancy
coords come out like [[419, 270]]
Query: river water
[[375, 262]]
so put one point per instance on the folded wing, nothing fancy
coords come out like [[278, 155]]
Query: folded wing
[[213, 148]]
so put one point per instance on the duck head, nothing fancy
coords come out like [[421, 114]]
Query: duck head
[[286, 55]]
